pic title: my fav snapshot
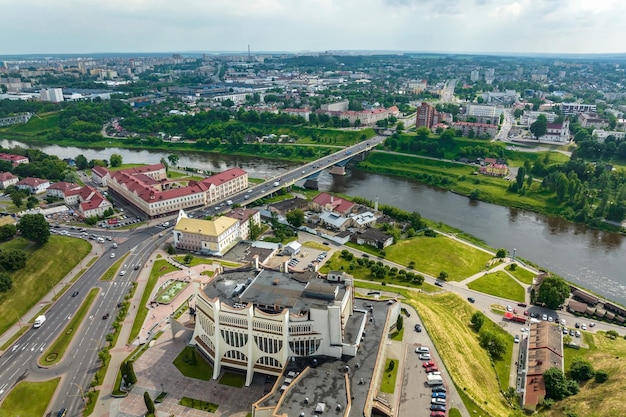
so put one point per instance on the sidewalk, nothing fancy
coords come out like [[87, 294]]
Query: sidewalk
[[49, 297]]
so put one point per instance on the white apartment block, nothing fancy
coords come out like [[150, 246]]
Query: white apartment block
[[254, 321], [601, 135], [569, 109], [529, 117]]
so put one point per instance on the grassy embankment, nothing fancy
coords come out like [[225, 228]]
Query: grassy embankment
[[109, 274], [460, 179], [160, 268], [56, 351], [17, 401], [45, 267]]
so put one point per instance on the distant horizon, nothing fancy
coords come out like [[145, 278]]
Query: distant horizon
[[313, 52]]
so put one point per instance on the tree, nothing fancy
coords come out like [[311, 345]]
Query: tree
[[173, 158], [521, 175], [539, 127], [493, 343], [170, 249], [34, 227], [474, 194], [477, 320], [501, 253], [165, 164], [188, 258], [115, 160], [581, 369], [295, 218], [557, 385], [149, 402], [400, 127], [553, 291], [229, 103], [7, 231], [612, 334], [5, 282], [255, 230], [81, 162], [32, 202], [443, 275], [601, 376], [12, 259], [399, 322], [16, 198]]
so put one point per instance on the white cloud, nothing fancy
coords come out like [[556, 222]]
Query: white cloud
[[43, 26]]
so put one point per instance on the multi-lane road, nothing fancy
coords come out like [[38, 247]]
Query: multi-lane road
[[81, 360]]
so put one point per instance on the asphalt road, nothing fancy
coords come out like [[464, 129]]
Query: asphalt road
[[81, 360]]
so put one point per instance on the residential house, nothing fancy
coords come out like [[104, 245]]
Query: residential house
[[33, 185], [592, 120], [328, 202], [13, 159], [373, 237], [334, 221], [7, 179], [494, 170], [601, 135], [61, 188], [292, 248], [100, 175], [245, 217], [92, 203]]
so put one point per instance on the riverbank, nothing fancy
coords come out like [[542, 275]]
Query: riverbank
[[463, 179]]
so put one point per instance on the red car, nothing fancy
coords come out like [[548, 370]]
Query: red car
[[428, 364], [437, 414], [432, 369], [525, 312]]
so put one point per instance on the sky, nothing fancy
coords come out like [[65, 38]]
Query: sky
[[471, 26]]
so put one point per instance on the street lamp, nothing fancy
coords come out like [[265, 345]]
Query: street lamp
[[80, 391], [514, 249]]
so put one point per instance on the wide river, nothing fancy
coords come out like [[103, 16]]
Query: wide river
[[593, 259]]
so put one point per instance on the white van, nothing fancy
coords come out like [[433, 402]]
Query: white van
[[39, 321], [422, 349], [229, 202]]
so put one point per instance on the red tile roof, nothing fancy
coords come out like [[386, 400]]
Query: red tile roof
[[64, 186], [32, 182], [100, 171], [225, 176], [5, 176], [13, 158], [338, 204]]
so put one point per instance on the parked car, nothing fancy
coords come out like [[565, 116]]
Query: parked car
[[516, 339], [544, 317], [422, 349], [571, 332], [439, 388], [438, 395], [418, 328], [437, 414], [425, 356], [583, 326], [509, 308], [522, 304], [432, 369], [592, 324], [577, 333], [437, 407], [439, 284], [428, 364], [438, 401]]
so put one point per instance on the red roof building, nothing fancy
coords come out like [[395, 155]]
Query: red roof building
[[61, 188], [100, 175], [14, 159], [7, 179], [33, 185], [328, 202]]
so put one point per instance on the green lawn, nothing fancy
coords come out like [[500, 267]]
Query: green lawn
[[435, 254], [198, 369], [198, 404], [204, 261], [160, 268], [388, 382], [233, 380], [19, 402], [522, 274], [45, 267], [397, 335], [55, 352], [19, 243], [499, 284]]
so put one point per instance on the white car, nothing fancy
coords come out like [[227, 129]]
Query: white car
[[425, 356], [562, 322], [583, 326], [422, 349], [516, 340], [112, 255], [440, 401], [544, 317], [550, 319], [122, 273], [509, 309]]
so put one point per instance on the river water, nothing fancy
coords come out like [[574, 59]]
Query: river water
[[591, 258]]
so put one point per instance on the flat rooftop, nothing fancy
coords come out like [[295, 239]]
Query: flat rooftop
[[325, 380], [272, 291]]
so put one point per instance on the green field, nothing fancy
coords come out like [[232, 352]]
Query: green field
[[19, 402], [55, 352], [433, 255], [499, 284], [45, 267]]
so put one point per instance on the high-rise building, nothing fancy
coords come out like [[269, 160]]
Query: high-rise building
[[474, 76], [425, 113]]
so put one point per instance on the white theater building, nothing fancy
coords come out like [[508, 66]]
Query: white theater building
[[254, 321]]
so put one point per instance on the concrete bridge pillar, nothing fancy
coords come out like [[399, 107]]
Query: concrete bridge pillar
[[338, 170]]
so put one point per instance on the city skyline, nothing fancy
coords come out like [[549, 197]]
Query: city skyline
[[455, 26]]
